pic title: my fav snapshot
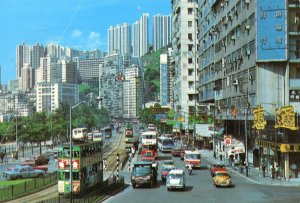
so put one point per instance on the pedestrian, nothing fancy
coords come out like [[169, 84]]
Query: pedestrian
[[263, 168], [273, 171], [276, 171], [215, 155], [221, 157]]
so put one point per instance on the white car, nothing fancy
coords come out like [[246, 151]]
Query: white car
[[176, 180]]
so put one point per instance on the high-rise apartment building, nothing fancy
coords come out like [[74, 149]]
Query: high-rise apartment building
[[27, 79], [88, 70], [119, 39], [38, 51], [166, 78], [69, 72], [184, 43], [144, 34], [135, 39], [23, 55], [162, 31]]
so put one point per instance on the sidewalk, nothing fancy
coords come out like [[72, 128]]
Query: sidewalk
[[254, 174]]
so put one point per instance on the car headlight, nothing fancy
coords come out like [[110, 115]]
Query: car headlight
[[148, 177]]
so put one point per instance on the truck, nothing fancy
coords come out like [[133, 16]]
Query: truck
[[144, 173]]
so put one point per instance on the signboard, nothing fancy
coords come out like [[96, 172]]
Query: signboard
[[158, 117], [159, 110], [285, 118], [259, 122], [271, 30], [65, 163], [201, 119]]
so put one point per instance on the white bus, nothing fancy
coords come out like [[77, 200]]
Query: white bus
[[97, 136], [193, 158], [79, 134], [165, 144]]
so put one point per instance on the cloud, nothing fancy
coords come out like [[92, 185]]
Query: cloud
[[76, 34], [93, 41], [139, 7]]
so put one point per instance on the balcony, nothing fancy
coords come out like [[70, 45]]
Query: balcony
[[208, 95]]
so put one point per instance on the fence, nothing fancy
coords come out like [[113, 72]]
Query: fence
[[101, 192], [27, 187]]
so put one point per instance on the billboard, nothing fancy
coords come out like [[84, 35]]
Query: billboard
[[271, 31]]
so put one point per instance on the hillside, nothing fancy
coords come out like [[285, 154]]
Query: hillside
[[151, 73]]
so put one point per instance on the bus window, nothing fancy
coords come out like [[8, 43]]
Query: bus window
[[76, 154]]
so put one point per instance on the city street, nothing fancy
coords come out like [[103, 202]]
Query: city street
[[199, 188]]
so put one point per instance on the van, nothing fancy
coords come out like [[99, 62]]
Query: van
[[176, 180]]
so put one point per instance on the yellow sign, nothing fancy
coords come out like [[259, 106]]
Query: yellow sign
[[282, 147], [285, 118], [259, 122], [180, 118]]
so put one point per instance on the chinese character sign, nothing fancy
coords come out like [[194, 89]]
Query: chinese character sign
[[285, 118], [259, 122]]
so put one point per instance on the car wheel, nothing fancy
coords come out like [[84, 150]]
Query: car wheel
[[169, 189], [133, 185], [40, 175], [151, 184]]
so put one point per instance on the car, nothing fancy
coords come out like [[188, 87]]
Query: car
[[216, 167], [222, 178], [41, 160], [165, 169], [148, 156], [168, 162], [176, 180], [176, 151], [23, 172]]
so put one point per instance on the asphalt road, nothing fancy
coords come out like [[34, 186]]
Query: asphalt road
[[199, 188]]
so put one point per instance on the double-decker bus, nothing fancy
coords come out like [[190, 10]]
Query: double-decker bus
[[79, 134], [149, 144], [87, 167], [165, 144], [128, 133], [107, 132]]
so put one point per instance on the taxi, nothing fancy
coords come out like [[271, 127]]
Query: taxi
[[222, 178]]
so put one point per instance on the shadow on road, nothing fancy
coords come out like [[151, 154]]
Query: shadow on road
[[187, 189]]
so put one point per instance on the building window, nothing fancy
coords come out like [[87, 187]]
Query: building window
[[190, 23], [190, 60], [190, 11], [190, 36], [190, 47], [190, 72]]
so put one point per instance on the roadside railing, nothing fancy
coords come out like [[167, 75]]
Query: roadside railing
[[100, 192], [27, 187]]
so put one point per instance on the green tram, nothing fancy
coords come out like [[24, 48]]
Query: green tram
[[128, 133], [87, 170]]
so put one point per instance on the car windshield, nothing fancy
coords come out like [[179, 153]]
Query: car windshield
[[193, 156], [169, 162], [142, 169], [168, 142], [148, 154], [222, 174], [175, 176], [164, 168]]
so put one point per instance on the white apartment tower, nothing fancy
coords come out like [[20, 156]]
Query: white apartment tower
[[184, 44], [130, 92], [162, 30], [144, 34], [119, 39], [135, 39]]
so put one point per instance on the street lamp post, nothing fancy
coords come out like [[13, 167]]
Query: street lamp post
[[70, 138], [246, 140]]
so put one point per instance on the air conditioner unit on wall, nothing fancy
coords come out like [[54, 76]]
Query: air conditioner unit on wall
[[248, 52], [235, 82], [233, 37], [247, 27], [247, 1], [251, 77]]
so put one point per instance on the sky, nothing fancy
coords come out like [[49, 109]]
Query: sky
[[80, 24]]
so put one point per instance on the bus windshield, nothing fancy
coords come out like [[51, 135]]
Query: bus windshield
[[168, 142], [193, 156], [149, 136]]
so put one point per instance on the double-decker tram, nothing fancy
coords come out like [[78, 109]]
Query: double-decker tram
[[128, 133], [149, 144], [87, 167]]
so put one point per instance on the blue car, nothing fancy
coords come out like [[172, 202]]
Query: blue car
[[23, 172]]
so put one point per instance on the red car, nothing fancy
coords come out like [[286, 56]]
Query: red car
[[44, 168], [148, 155], [176, 151], [216, 167]]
